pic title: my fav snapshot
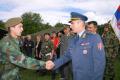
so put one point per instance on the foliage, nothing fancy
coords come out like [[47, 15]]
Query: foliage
[[100, 29], [2, 24], [46, 26], [59, 25], [33, 23]]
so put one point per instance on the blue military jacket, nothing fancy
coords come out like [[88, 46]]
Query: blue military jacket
[[87, 56]]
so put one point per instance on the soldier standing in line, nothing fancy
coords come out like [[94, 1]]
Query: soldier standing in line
[[38, 44], [92, 27], [111, 49], [12, 57], [47, 50], [28, 45], [65, 70]]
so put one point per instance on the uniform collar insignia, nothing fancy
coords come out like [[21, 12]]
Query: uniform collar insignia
[[13, 39], [84, 43], [83, 35]]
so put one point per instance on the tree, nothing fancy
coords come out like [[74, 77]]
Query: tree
[[59, 25], [46, 26], [100, 29], [32, 22], [2, 25]]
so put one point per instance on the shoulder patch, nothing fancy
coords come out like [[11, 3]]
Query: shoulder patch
[[7, 43], [100, 46]]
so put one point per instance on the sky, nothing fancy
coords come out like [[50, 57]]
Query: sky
[[53, 11]]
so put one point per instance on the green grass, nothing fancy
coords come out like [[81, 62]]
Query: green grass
[[33, 75], [117, 69]]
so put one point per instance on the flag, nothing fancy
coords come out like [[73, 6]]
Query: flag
[[115, 22]]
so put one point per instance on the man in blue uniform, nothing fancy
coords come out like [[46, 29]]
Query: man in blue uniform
[[85, 51]]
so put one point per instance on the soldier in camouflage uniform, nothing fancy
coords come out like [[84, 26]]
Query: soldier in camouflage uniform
[[46, 51], [111, 49], [47, 48], [12, 58]]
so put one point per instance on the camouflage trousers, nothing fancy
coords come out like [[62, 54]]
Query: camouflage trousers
[[119, 53], [109, 70]]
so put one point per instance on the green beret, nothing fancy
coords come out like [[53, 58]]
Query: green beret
[[13, 22]]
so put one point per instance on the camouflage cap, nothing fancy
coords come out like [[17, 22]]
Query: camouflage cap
[[106, 25], [13, 22]]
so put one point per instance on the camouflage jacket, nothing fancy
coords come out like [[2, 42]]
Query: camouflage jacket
[[110, 40], [111, 44], [47, 47], [13, 58]]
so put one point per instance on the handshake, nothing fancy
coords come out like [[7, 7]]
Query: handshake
[[49, 65]]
